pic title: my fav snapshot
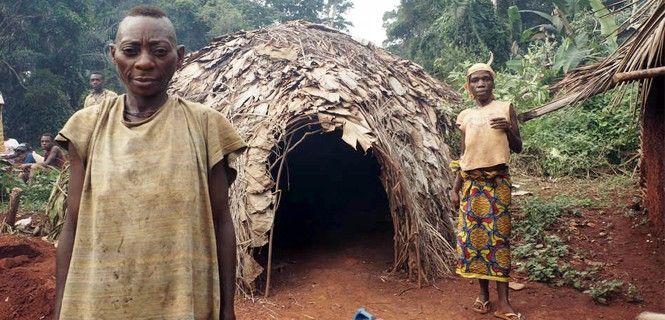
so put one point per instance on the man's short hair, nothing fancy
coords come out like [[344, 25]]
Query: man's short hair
[[151, 12], [47, 134], [146, 11], [97, 72]]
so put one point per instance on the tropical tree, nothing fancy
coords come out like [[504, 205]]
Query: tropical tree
[[440, 33], [333, 13], [329, 12], [42, 63]]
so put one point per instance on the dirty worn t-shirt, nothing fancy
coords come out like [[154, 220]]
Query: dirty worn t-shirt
[[484, 146], [145, 243]]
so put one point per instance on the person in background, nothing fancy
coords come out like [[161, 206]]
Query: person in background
[[489, 133], [53, 155], [23, 154], [23, 159], [9, 146], [98, 93], [54, 158], [148, 232]]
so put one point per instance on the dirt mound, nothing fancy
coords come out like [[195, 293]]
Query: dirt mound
[[27, 284]]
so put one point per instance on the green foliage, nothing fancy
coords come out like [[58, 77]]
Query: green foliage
[[333, 12], [297, 9], [542, 255], [583, 141], [543, 262], [608, 25], [192, 30], [8, 181], [514, 23], [439, 34], [604, 290], [581, 35], [633, 295], [36, 194], [34, 63], [44, 107], [540, 216], [329, 12]]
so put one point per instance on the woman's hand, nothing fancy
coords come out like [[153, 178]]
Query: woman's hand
[[500, 123]]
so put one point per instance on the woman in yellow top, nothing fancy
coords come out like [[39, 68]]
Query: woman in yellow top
[[489, 133]]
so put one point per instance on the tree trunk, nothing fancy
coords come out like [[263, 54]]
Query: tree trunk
[[12, 209]]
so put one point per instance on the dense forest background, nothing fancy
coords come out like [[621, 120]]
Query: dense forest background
[[49, 47]]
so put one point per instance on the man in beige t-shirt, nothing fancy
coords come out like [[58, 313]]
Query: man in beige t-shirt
[[98, 93], [148, 232]]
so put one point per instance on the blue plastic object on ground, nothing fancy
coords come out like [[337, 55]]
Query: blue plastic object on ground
[[362, 314]]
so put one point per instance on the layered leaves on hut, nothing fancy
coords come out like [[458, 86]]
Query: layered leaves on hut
[[273, 82]]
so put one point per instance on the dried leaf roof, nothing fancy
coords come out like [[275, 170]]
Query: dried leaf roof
[[644, 49], [275, 81]]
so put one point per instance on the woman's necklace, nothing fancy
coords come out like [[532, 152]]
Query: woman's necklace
[[141, 114]]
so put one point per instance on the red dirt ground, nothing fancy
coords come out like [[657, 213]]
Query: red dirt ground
[[27, 278], [334, 281]]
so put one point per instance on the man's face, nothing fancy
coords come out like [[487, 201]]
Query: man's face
[[46, 142], [481, 85], [145, 55], [96, 82]]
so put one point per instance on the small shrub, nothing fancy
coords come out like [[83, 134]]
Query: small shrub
[[632, 294], [604, 290], [539, 216], [542, 261]]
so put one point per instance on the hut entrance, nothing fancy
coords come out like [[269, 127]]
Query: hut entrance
[[333, 207]]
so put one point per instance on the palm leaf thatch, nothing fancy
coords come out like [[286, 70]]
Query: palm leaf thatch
[[643, 50], [276, 81]]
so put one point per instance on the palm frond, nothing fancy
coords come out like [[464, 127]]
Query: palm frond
[[644, 49]]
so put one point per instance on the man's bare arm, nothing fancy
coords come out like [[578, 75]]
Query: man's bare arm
[[514, 138], [55, 153], [225, 237], [68, 233]]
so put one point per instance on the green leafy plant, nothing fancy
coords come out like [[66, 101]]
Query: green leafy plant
[[604, 290], [595, 138], [539, 216], [543, 262], [542, 255], [633, 295], [36, 194]]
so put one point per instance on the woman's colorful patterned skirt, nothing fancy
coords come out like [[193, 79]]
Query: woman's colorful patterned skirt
[[484, 225]]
